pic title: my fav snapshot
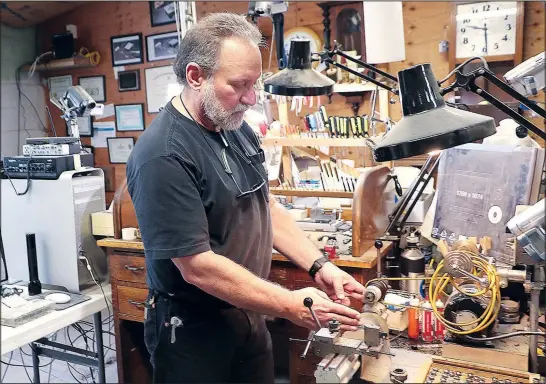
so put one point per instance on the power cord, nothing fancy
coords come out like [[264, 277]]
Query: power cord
[[27, 188], [94, 56]]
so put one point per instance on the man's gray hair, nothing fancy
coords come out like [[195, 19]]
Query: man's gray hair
[[202, 42]]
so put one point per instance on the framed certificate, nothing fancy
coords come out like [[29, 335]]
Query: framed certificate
[[85, 127], [58, 86], [119, 149], [161, 87], [129, 117], [95, 86]]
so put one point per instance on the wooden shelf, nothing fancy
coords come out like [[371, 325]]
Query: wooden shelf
[[55, 65], [310, 193], [312, 142], [416, 160]]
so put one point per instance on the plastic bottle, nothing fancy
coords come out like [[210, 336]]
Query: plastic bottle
[[413, 318], [439, 328], [426, 323]]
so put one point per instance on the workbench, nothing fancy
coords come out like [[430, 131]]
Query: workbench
[[129, 291]]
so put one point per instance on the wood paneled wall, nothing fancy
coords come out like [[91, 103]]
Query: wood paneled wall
[[425, 24], [97, 22]]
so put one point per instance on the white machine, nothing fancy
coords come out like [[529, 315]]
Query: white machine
[[529, 228], [529, 77], [58, 212]]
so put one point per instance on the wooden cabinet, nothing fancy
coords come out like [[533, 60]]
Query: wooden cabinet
[[129, 291]]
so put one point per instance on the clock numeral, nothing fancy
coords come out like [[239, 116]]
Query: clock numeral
[[465, 40], [486, 7], [475, 10], [466, 21], [506, 17], [496, 45], [473, 47], [505, 38], [484, 49], [508, 27], [463, 30]]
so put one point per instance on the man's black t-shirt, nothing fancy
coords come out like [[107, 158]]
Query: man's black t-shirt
[[186, 202]]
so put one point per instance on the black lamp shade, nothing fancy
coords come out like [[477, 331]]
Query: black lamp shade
[[428, 124], [299, 78]]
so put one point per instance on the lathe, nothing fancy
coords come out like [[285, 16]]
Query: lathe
[[341, 354]]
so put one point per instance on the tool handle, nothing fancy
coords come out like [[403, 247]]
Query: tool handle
[[308, 302], [306, 349]]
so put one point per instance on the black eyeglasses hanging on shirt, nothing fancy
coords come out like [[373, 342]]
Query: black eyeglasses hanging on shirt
[[246, 157]]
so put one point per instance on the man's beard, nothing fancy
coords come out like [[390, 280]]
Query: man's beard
[[217, 114]]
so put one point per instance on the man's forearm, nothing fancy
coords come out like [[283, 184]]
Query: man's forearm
[[219, 276], [289, 239]]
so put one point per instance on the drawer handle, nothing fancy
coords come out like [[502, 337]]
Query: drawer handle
[[133, 269], [136, 303]]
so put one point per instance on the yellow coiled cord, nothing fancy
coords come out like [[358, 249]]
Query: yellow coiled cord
[[94, 57], [492, 291]]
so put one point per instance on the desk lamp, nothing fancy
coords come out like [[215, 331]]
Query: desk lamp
[[428, 125]]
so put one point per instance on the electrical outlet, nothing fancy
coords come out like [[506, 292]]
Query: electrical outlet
[[443, 46]]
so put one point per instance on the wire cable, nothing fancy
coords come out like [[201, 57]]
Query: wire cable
[[492, 291], [484, 62], [93, 56], [35, 63], [505, 336], [7, 367]]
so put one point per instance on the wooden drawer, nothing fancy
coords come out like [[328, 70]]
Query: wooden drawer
[[130, 267], [131, 303]]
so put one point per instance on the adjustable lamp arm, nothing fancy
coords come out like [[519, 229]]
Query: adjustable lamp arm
[[328, 58], [468, 82]]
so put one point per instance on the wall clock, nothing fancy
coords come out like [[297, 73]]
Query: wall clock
[[492, 29], [303, 33]]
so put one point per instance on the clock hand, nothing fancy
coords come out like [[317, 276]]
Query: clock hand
[[471, 26], [485, 34]]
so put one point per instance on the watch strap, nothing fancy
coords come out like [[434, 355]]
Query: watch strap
[[317, 265]]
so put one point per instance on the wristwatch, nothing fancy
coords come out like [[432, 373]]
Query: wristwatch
[[317, 265]]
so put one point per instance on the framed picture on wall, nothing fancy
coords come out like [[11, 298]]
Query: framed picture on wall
[[129, 80], [95, 86], [129, 117], [163, 46], [162, 12], [126, 49], [119, 149], [85, 126]]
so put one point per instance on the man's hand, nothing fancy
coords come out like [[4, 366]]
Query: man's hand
[[338, 284], [324, 308]]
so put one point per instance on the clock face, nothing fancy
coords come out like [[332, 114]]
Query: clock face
[[302, 33], [486, 29]]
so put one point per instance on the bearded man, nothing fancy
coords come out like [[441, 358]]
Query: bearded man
[[209, 224]]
